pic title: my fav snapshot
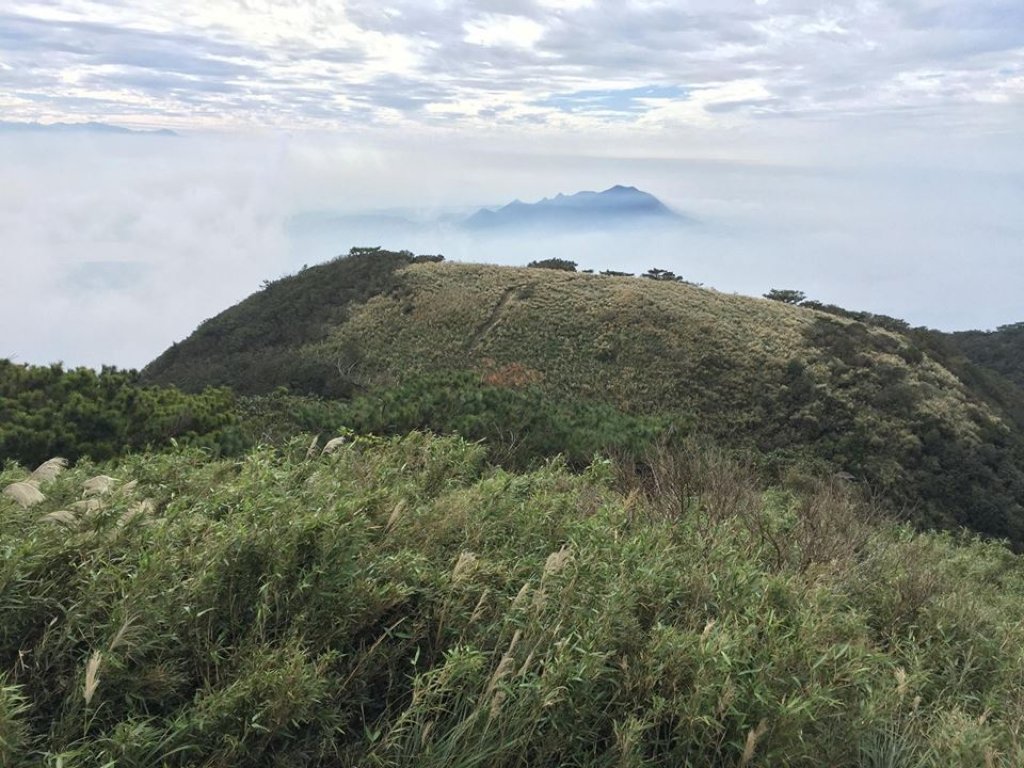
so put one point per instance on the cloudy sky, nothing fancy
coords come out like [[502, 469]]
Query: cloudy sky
[[869, 152]]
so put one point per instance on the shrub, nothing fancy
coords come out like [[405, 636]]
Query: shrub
[[563, 265]]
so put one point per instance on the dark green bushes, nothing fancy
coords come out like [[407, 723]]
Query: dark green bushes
[[46, 411], [520, 426], [563, 265]]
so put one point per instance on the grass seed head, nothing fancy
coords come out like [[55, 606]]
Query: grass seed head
[[87, 506], [48, 470], [901, 682], [24, 493], [507, 660], [395, 515], [61, 516], [122, 634], [333, 445], [464, 566], [98, 486], [481, 606], [92, 676], [521, 595], [557, 561], [753, 737]]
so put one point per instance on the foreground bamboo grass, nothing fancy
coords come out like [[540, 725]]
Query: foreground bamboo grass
[[401, 603]]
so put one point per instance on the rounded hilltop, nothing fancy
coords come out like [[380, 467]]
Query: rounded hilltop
[[891, 408]]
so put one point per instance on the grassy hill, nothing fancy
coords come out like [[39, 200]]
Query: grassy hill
[[791, 383], [399, 603]]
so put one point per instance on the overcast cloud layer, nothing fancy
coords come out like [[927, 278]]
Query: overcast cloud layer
[[869, 152], [566, 64]]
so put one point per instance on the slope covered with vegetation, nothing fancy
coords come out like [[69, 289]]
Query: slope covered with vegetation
[[401, 603], [794, 383], [1002, 350], [48, 411], [255, 346]]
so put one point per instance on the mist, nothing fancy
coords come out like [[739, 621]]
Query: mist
[[115, 246]]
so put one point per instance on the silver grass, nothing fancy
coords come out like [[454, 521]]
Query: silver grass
[[48, 470], [122, 634], [333, 445], [464, 566], [87, 506], [24, 493], [98, 486], [143, 508], [61, 516], [556, 562], [92, 676]]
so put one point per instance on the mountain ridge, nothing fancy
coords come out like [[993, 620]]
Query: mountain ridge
[[91, 127]]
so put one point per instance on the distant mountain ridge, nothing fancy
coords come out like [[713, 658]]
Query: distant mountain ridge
[[79, 128], [614, 206]]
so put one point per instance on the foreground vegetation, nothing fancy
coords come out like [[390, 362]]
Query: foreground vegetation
[[400, 602]]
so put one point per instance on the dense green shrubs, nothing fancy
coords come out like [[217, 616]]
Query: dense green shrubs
[[47, 411], [398, 603], [889, 435], [563, 265], [1001, 350], [520, 426], [52, 412]]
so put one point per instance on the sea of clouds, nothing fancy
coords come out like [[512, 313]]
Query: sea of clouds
[[115, 246]]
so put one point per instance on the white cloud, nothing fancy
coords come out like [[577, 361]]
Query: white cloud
[[118, 247], [304, 63], [497, 30]]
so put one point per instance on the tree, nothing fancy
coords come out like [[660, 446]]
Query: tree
[[563, 265], [786, 295], [662, 274]]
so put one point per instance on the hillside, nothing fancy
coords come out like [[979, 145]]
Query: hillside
[[789, 382], [1002, 350]]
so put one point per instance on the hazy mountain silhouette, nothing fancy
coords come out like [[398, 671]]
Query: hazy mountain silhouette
[[92, 127], [617, 206]]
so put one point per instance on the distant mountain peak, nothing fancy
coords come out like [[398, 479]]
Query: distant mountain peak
[[616, 206]]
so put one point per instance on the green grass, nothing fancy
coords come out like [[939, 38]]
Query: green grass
[[402, 603]]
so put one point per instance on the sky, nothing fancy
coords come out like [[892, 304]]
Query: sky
[[868, 152]]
